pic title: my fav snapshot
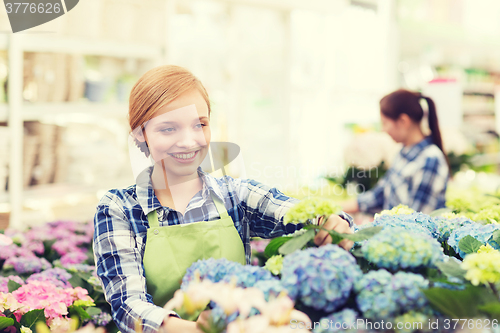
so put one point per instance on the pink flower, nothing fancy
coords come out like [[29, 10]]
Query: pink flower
[[4, 240], [44, 295], [72, 258]]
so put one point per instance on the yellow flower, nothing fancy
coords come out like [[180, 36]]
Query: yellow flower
[[274, 264], [450, 215], [486, 249], [482, 267], [398, 210]]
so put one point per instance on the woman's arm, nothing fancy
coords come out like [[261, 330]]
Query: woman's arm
[[350, 206], [265, 208], [119, 267], [372, 200]]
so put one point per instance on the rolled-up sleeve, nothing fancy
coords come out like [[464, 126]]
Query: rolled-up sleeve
[[266, 207]]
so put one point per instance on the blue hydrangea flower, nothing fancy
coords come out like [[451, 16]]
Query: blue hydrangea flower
[[321, 278], [409, 221], [416, 222], [270, 288], [221, 319], [381, 295], [395, 248], [217, 270], [343, 321], [482, 233], [446, 226]]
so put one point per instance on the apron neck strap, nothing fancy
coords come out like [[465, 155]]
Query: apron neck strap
[[221, 209], [220, 206], [153, 219]]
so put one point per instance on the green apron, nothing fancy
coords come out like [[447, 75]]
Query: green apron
[[170, 250]]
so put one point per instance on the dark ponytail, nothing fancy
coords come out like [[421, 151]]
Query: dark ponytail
[[408, 102], [434, 124]]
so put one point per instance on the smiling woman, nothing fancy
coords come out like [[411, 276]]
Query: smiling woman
[[148, 234]]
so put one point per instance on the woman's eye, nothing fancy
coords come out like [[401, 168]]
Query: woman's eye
[[200, 125], [167, 130]]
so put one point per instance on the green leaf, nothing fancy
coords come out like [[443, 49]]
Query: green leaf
[[6, 322], [29, 319], [76, 281], [496, 236], [13, 286], [79, 311], [363, 234], [459, 304], [274, 245], [451, 268], [357, 252], [93, 311], [336, 237], [297, 243], [469, 244], [493, 309]]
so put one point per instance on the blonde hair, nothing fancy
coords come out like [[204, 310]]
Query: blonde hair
[[157, 88]]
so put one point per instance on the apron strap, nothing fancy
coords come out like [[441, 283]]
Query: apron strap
[[220, 206], [153, 219], [221, 209]]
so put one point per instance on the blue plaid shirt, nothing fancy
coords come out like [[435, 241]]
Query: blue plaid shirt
[[417, 178], [121, 225]]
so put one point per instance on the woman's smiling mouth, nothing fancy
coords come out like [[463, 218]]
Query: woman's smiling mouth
[[185, 157]]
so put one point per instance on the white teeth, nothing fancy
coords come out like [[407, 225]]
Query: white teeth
[[184, 156]]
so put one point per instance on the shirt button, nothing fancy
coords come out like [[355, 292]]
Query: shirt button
[[156, 232]]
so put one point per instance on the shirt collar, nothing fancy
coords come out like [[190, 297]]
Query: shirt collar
[[147, 198], [411, 152]]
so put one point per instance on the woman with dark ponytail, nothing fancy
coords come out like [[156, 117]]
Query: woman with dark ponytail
[[419, 174]]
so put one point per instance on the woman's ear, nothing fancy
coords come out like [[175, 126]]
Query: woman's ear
[[404, 120], [139, 134]]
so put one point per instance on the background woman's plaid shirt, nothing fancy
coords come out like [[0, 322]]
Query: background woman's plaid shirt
[[417, 178], [121, 225]]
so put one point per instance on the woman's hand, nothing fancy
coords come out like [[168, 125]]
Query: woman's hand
[[177, 325], [338, 224], [202, 320]]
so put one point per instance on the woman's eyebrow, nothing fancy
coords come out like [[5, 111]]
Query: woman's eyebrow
[[167, 123]]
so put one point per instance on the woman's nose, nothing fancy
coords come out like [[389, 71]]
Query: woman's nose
[[191, 138]]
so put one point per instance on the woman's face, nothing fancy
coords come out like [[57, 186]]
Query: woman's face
[[179, 134], [395, 128]]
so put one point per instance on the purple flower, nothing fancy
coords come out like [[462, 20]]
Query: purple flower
[[14, 250], [101, 319], [34, 246], [57, 276], [72, 258], [27, 264], [65, 246]]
